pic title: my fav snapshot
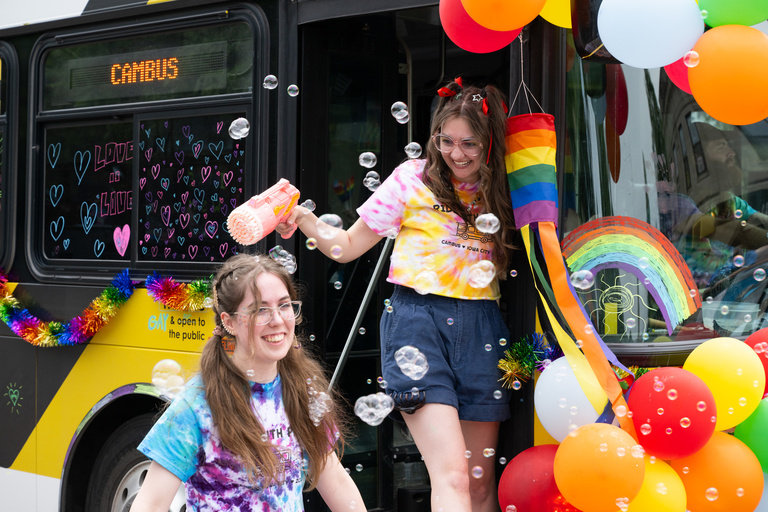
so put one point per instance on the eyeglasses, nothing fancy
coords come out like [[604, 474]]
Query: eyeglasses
[[445, 144], [264, 315]]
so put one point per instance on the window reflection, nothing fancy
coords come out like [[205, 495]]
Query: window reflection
[[700, 182]]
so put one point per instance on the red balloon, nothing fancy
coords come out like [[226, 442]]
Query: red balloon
[[528, 482], [678, 73], [759, 343], [467, 34], [673, 412]]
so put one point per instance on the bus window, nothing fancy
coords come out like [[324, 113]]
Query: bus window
[[639, 147], [190, 178], [87, 199], [132, 167], [8, 111]]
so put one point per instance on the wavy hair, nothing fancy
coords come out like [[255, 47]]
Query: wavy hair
[[461, 101], [228, 392]]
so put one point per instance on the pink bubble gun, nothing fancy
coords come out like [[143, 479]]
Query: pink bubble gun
[[260, 215]]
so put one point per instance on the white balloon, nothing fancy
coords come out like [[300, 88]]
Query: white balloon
[[561, 404], [762, 27], [649, 33]]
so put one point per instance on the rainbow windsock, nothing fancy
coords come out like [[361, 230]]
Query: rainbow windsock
[[531, 172]]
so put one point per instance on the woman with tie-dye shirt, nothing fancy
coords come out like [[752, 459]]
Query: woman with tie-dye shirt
[[442, 305], [246, 433]]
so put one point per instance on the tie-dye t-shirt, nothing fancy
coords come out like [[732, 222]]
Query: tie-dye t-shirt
[[184, 442], [434, 249]]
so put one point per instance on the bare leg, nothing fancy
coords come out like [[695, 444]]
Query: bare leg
[[436, 430], [480, 436]]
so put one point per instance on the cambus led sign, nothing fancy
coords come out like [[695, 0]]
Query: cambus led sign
[[144, 71]]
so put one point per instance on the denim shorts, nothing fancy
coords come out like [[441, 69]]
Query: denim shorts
[[461, 342]]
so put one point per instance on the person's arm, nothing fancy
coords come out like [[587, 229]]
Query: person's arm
[[157, 491], [338, 489], [354, 242]]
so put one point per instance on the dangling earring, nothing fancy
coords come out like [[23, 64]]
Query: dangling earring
[[296, 342]]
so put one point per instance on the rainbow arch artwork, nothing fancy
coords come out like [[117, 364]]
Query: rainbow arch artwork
[[636, 247]]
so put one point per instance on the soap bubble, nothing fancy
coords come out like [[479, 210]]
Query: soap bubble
[[309, 205], [167, 377], [425, 282], [367, 159], [293, 90], [374, 408], [404, 119], [413, 150], [399, 110], [372, 180], [759, 274], [412, 362], [487, 223], [481, 274], [311, 244], [283, 257], [329, 225], [738, 260], [239, 128], [270, 82], [337, 285], [691, 59], [582, 279], [320, 404], [336, 251]]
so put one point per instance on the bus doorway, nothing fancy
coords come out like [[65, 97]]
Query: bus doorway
[[353, 70]]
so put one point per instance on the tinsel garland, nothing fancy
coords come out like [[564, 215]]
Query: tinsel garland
[[77, 331], [523, 357], [179, 296], [534, 352]]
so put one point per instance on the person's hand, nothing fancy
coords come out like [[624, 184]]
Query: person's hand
[[288, 225]]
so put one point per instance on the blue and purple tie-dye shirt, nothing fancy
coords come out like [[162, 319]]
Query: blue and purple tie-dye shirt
[[185, 443]]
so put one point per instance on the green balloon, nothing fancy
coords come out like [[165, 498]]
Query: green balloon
[[733, 12], [753, 432]]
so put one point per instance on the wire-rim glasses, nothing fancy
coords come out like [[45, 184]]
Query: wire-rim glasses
[[264, 315], [445, 144]]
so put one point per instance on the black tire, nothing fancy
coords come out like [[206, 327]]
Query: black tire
[[120, 469]]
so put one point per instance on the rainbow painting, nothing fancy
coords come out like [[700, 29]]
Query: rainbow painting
[[636, 247]]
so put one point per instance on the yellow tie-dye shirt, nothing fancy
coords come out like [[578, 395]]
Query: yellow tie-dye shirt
[[434, 247]]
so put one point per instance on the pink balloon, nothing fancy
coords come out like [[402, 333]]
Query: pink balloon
[[467, 34], [678, 73]]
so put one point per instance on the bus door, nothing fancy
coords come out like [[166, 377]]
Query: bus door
[[353, 70]]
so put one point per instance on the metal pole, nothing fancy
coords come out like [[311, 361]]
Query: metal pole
[[360, 312]]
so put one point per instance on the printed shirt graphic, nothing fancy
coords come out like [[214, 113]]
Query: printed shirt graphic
[[184, 442], [434, 248]]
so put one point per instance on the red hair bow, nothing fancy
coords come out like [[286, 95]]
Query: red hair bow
[[445, 92]]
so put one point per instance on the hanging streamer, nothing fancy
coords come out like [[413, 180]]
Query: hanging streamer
[[531, 172]]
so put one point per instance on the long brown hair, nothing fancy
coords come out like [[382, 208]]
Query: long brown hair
[[490, 129], [228, 392]]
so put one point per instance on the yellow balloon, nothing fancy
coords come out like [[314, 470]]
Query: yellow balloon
[[557, 12], [662, 489], [734, 373]]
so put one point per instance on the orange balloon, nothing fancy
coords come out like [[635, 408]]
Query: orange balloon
[[598, 466], [731, 78], [503, 15], [724, 476]]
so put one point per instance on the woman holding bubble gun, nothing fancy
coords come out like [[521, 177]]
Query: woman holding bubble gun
[[451, 217], [256, 423]]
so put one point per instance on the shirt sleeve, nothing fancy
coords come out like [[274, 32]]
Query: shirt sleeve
[[174, 441], [383, 211]]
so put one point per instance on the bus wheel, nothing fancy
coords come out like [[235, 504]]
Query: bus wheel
[[120, 469]]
